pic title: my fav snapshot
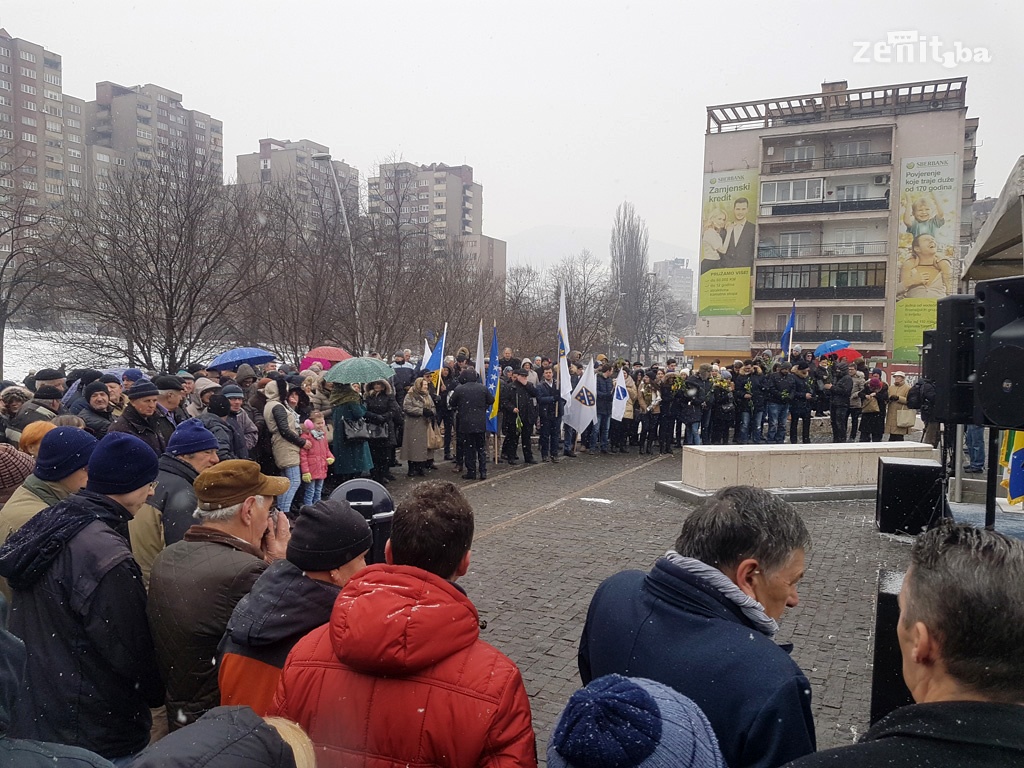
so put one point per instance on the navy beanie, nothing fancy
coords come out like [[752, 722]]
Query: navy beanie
[[619, 722], [191, 436], [121, 463], [62, 451], [143, 388], [94, 389]]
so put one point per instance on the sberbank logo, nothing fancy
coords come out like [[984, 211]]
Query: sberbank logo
[[714, 181], [909, 166]]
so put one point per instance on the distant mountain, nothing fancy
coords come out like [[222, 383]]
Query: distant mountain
[[543, 246]]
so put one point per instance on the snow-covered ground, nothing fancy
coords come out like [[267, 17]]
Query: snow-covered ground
[[26, 351]]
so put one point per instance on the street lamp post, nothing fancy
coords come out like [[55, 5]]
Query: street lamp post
[[357, 283]]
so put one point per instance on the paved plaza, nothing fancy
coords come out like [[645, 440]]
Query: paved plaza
[[547, 535]]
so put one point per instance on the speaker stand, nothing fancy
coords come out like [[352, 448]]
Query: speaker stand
[[993, 478]]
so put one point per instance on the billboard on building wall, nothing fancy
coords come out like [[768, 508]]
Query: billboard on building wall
[[727, 243], [926, 261]]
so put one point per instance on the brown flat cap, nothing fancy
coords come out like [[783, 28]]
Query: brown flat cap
[[232, 482]]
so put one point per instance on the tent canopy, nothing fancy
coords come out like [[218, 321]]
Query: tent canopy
[[998, 252]]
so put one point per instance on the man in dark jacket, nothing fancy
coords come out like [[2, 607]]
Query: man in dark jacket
[[549, 401], [97, 413], [840, 390], [290, 599], [472, 402], [80, 607], [600, 433], [518, 417], [220, 559], [44, 406], [802, 400], [192, 449], [781, 384], [703, 621], [961, 629], [139, 418], [216, 418]]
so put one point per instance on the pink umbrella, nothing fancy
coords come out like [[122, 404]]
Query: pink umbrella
[[326, 356]]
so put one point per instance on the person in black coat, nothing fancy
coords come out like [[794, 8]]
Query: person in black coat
[[518, 417], [382, 409], [668, 415], [840, 391], [96, 412], [781, 384], [692, 402], [802, 401], [472, 403], [549, 401], [192, 449]]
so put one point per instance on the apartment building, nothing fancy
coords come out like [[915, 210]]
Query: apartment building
[[848, 202], [678, 277], [41, 129], [305, 164]]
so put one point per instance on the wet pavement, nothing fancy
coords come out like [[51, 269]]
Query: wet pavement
[[547, 535]]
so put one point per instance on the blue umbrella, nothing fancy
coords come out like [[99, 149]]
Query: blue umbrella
[[235, 357], [828, 347]]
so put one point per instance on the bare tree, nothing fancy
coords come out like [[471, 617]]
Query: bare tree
[[161, 261], [630, 265], [529, 318], [587, 298]]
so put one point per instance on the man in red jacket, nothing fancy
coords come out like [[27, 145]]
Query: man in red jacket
[[399, 675]]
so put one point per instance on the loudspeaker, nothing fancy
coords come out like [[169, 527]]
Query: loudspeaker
[[999, 352], [928, 342], [909, 498], [888, 690], [950, 363], [380, 527]]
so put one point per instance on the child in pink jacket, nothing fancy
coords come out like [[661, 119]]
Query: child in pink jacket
[[315, 460]]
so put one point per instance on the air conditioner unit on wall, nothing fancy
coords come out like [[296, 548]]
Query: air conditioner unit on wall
[[882, 179]]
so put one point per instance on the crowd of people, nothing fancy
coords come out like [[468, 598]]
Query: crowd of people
[[174, 601]]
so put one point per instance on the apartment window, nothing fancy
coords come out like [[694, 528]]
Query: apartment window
[[74, 109], [5, 85], [31, 185], [29, 89], [74, 138], [103, 157], [5, 69], [848, 148], [51, 95], [200, 124], [29, 121], [852, 192], [201, 137], [200, 150], [101, 186], [842, 323], [791, 191], [5, 118], [28, 72], [73, 168], [75, 182], [162, 126], [389, 185], [53, 125], [793, 244], [6, 134], [54, 189], [119, 161], [30, 106], [31, 138], [72, 123], [5, 101], [8, 183], [161, 98], [74, 152], [438, 206], [51, 63], [781, 321], [5, 52], [793, 154], [440, 193], [30, 57], [55, 144], [424, 208], [143, 134], [54, 173], [821, 276], [423, 183], [47, 109]]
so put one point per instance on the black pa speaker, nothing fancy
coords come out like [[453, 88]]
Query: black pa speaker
[[950, 360], [999, 352], [888, 690], [909, 498]]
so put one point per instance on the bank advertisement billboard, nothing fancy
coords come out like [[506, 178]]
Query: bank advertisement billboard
[[926, 255], [727, 244]]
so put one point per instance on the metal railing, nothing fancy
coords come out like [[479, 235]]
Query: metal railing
[[833, 163], [821, 292], [872, 248], [816, 337], [831, 206]]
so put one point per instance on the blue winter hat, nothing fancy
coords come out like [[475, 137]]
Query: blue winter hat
[[132, 374], [62, 451], [620, 722], [121, 463], [191, 436]]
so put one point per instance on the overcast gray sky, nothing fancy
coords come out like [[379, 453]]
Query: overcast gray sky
[[563, 108]]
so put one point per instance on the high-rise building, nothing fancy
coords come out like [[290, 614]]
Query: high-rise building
[[849, 202], [302, 164], [678, 277], [41, 131], [146, 125]]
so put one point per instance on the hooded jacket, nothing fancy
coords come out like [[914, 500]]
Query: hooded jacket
[[283, 424], [283, 606], [400, 676], [225, 737], [80, 607]]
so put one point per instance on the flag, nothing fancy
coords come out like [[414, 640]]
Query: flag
[[563, 353], [493, 381], [436, 359], [426, 352], [1012, 457], [584, 401], [621, 398], [787, 335], [478, 361]]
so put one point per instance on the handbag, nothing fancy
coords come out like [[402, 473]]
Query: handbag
[[379, 431], [906, 418], [356, 429], [434, 439], [871, 405]]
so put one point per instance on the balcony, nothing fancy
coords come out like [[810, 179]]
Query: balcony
[[805, 338], [865, 160], [815, 250], [819, 206], [821, 293]]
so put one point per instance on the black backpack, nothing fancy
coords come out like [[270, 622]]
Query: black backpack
[[916, 395]]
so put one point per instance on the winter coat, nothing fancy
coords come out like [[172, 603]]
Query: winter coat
[[780, 388], [80, 607], [893, 407], [228, 439], [225, 737], [33, 410], [383, 408], [281, 608], [691, 400], [186, 629], [174, 497], [195, 406], [283, 424], [165, 422], [800, 405], [403, 380], [842, 388], [146, 535], [314, 459], [144, 428], [858, 384], [631, 398], [966, 734], [520, 396], [351, 457], [247, 428], [419, 414], [29, 499], [472, 401], [549, 401], [605, 394], [96, 422], [672, 627], [386, 684]]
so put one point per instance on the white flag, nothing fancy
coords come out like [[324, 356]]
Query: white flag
[[478, 361], [621, 398], [583, 412], [426, 353], [563, 351]]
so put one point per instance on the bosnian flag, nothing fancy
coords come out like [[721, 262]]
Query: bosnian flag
[[584, 401], [621, 399]]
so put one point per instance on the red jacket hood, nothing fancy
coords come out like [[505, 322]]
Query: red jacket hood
[[395, 620]]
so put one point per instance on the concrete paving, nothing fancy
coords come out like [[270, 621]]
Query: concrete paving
[[547, 535]]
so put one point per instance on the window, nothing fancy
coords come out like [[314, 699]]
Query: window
[[30, 57], [5, 52], [53, 125], [74, 152], [438, 206], [792, 154], [51, 95], [49, 110], [794, 244], [143, 133], [29, 121], [103, 157], [74, 109], [848, 148], [791, 191], [30, 106], [31, 138], [5, 118], [200, 124], [201, 137], [75, 182], [847, 322], [73, 168], [55, 144], [161, 98], [5, 69], [54, 173], [28, 72], [5, 101], [31, 185], [822, 276], [6, 134], [200, 150], [119, 161], [161, 126], [29, 89], [54, 189], [5, 85], [72, 123], [852, 192], [781, 321], [51, 63]]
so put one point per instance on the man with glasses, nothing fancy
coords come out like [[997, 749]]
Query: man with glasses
[[196, 582]]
